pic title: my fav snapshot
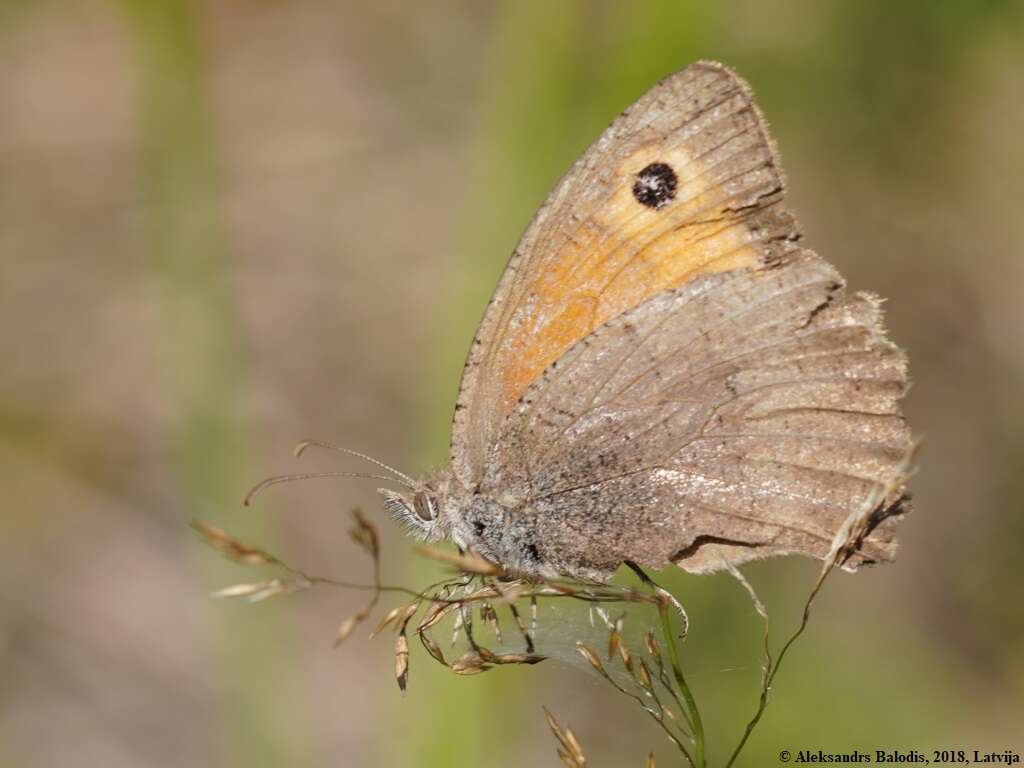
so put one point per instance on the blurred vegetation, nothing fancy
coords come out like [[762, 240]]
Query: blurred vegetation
[[224, 227], [203, 369]]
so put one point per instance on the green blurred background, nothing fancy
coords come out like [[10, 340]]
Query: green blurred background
[[228, 226]]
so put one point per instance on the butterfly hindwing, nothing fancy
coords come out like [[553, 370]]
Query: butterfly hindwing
[[747, 413]]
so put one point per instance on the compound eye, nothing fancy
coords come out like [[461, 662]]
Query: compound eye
[[424, 506]]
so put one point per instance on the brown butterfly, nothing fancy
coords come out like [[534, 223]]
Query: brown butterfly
[[664, 375]]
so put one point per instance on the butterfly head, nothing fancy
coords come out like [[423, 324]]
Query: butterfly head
[[500, 529], [420, 511], [438, 508]]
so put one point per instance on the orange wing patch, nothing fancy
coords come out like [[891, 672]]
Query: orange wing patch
[[627, 252]]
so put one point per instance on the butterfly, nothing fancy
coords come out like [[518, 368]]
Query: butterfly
[[665, 374]]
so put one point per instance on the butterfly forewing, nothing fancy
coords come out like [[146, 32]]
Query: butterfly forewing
[[685, 183]]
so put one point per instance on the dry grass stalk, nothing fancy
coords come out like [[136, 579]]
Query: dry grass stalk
[[478, 586], [644, 693], [365, 536], [488, 614], [526, 635]]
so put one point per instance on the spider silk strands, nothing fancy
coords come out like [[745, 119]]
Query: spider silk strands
[[199, 351]]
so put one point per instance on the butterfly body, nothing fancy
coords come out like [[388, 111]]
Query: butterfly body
[[665, 375]]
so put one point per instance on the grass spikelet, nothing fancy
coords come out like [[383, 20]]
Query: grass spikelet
[[249, 590], [470, 663], [432, 647], [652, 646], [402, 660], [365, 534], [348, 626], [591, 658], [230, 547], [569, 751], [389, 617]]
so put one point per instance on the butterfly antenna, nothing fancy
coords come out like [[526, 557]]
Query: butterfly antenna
[[301, 447], [263, 485]]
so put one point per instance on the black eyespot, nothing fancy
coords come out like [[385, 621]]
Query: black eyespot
[[479, 528], [533, 552], [655, 185]]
